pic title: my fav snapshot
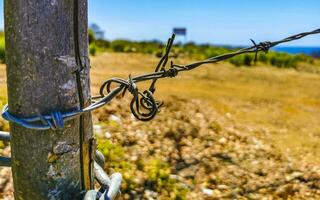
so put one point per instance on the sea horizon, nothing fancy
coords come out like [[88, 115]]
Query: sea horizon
[[298, 50]]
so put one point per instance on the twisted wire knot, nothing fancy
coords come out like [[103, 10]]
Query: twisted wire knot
[[171, 72], [265, 46], [132, 87], [56, 122], [262, 46]]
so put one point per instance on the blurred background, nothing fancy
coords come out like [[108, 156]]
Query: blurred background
[[231, 130]]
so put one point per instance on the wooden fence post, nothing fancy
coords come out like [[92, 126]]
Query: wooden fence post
[[46, 46]]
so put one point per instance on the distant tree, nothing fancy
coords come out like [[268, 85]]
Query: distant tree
[[98, 32]]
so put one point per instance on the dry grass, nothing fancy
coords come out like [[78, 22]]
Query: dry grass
[[283, 102]]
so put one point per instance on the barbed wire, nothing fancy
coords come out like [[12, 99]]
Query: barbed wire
[[143, 104]]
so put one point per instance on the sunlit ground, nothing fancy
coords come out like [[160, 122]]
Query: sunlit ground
[[284, 103], [224, 132]]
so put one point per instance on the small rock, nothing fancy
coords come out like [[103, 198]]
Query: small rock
[[294, 175], [174, 176], [284, 191], [228, 115], [223, 140], [107, 135], [149, 194], [115, 118], [207, 191], [222, 187]]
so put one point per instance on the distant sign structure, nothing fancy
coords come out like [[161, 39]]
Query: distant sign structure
[[181, 32]]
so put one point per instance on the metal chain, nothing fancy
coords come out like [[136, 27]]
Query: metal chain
[[143, 105]]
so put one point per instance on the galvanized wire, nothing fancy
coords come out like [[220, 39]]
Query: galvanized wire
[[143, 105]]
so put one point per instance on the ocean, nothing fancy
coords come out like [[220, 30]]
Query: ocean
[[298, 50]]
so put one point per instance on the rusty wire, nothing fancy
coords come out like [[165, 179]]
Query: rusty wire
[[143, 104]]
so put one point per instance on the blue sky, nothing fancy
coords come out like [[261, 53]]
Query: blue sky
[[231, 22]]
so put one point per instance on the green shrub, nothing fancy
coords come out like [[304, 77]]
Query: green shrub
[[247, 60], [158, 179], [2, 48], [236, 61], [157, 173], [102, 44], [113, 153], [92, 49], [119, 45], [92, 37], [200, 52]]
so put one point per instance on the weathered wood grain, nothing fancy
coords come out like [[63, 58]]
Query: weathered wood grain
[[41, 64]]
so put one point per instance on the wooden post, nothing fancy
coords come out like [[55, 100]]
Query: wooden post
[[46, 46]]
